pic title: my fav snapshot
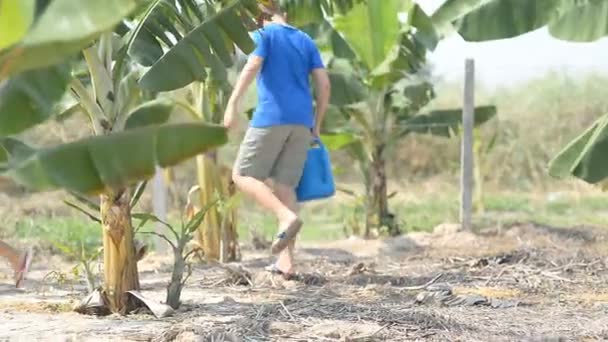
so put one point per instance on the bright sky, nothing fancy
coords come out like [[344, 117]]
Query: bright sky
[[506, 62]]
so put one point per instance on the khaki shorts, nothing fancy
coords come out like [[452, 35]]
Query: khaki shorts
[[277, 152]]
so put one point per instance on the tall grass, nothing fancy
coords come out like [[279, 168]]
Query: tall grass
[[535, 120]]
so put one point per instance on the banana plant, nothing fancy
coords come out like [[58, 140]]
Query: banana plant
[[568, 20], [130, 136], [219, 228], [203, 50], [380, 88]]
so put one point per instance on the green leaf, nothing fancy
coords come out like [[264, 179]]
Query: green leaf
[[145, 217], [584, 157], [303, 12], [407, 57], [444, 122], [82, 210], [141, 187], [146, 50], [329, 39], [15, 150], [199, 50], [499, 19], [115, 161], [338, 141], [409, 97], [29, 98], [16, 16], [452, 10], [154, 112], [65, 28], [346, 89], [371, 45], [198, 218], [582, 24], [425, 29], [86, 201]]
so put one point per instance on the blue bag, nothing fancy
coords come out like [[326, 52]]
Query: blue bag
[[317, 180]]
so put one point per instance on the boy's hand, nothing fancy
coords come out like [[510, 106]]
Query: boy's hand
[[230, 116]]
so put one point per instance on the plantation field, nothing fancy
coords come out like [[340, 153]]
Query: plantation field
[[534, 268]]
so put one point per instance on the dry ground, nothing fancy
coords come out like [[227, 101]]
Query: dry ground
[[520, 283]]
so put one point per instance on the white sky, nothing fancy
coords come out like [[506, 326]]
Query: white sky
[[505, 62]]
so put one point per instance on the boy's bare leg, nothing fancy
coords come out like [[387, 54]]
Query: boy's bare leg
[[288, 197]]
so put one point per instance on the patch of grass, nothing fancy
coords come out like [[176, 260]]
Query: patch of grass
[[508, 203], [426, 213], [66, 230]]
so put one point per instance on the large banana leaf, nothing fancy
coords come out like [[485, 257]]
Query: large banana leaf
[[15, 151], [507, 18], [452, 10], [585, 156], [409, 96], [64, 28], [426, 31], [305, 12], [154, 112], [206, 47], [583, 23], [328, 39], [117, 160], [482, 20], [16, 16], [372, 29], [346, 89], [444, 123], [28, 99]]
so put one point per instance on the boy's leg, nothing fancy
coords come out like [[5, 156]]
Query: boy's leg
[[256, 158], [285, 260], [286, 176]]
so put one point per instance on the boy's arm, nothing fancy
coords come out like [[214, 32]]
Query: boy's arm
[[322, 94], [249, 72], [251, 69]]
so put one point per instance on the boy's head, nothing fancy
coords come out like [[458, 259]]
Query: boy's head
[[269, 11]]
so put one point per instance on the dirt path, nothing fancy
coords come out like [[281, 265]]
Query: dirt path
[[525, 282]]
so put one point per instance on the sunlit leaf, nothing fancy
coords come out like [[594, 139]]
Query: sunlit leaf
[[154, 112], [16, 16], [28, 99], [64, 28], [372, 29], [115, 161]]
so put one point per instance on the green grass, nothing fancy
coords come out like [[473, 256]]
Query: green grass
[[426, 213], [324, 220]]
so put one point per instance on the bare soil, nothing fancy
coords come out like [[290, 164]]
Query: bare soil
[[526, 282]]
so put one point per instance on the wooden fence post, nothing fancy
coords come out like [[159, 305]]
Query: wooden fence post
[[466, 155], [159, 205]]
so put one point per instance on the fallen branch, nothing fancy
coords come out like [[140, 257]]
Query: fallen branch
[[422, 287]]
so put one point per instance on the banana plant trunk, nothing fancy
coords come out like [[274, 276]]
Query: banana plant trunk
[[120, 264], [377, 211], [217, 233]]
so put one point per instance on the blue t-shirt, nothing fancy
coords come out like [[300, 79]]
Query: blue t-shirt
[[284, 95]]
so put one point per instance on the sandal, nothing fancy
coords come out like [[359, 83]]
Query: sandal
[[274, 269], [24, 265], [285, 236]]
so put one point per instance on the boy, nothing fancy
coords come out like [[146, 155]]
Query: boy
[[276, 143]]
